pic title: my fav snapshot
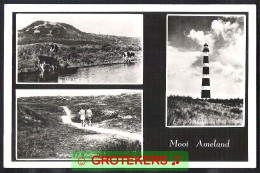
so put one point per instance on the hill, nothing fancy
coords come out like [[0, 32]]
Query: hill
[[186, 111], [50, 29], [77, 48]]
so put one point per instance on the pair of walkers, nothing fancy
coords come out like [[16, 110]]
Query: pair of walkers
[[85, 117]]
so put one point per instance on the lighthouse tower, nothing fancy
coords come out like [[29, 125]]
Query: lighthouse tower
[[205, 92]]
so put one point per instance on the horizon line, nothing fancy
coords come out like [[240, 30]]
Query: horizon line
[[202, 98]]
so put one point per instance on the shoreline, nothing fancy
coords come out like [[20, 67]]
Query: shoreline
[[36, 70]]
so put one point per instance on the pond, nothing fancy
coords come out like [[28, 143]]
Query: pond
[[104, 74]]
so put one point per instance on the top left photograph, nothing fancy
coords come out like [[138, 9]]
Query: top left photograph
[[79, 48]]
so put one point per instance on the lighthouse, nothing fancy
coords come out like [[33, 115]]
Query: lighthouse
[[205, 91]]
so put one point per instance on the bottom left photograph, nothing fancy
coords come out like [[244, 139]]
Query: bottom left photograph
[[51, 124]]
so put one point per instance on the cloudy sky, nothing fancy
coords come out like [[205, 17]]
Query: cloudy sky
[[225, 36], [130, 25]]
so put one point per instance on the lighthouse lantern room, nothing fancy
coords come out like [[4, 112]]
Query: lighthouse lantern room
[[205, 92]]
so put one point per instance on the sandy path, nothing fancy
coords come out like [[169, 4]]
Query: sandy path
[[67, 120]]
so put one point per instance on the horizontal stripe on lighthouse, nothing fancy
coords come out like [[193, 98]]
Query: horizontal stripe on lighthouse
[[205, 82], [205, 94], [205, 87], [205, 64], [205, 59], [205, 76], [205, 70]]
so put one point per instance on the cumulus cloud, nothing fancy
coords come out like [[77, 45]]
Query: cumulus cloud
[[217, 26], [233, 54], [232, 51], [226, 81], [226, 40], [201, 38]]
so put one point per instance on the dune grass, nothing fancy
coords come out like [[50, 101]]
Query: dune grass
[[186, 111], [42, 134], [121, 112]]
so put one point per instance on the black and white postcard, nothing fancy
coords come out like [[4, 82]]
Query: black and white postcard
[[129, 77], [79, 48]]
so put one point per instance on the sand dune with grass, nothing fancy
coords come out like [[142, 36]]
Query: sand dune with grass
[[45, 130], [187, 111]]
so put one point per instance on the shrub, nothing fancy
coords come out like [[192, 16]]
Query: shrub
[[106, 47], [236, 110]]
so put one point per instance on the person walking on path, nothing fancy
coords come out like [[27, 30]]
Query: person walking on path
[[89, 116], [82, 117]]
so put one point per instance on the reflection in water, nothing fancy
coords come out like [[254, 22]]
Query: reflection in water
[[120, 73], [46, 77]]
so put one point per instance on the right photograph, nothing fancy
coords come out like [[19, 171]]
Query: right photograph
[[206, 70]]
